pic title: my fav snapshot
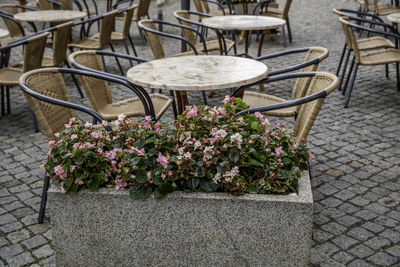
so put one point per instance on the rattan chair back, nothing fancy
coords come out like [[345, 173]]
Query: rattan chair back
[[48, 82], [301, 84], [351, 40], [190, 35], [45, 5], [308, 112], [153, 39], [67, 4], [142, 9], [286, 8], [14, 27], [97, 90], [128, 15], [106, 28], [33, 52], [201, 6], [61, 37]]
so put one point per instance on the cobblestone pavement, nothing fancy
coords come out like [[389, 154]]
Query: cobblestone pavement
[[356, 173]]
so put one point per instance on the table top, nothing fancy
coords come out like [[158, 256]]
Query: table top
[[395, 17], [197, 73], [243, 22], [3, 33], [50, 15]]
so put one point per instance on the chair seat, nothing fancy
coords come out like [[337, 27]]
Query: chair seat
[[115, 36], [254, 99], [10, 76], [378, 57], [387, 9], [273, 12], [86, 43], [133, 107], [214, 45], [374, 42]]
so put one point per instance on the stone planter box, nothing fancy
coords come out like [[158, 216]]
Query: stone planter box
[[109, 228]]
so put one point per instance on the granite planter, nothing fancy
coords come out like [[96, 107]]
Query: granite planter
[[109, 228]]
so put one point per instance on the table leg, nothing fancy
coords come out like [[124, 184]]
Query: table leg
[[181, 101], [221, 46], [261, 42], [246, 44]]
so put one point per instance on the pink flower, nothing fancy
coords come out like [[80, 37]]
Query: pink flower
[[310, 155], [95, 135], [162, 160], [120, 184], [170, 173], [57, 135], [63, 190], [278, 151], [157, 127], [192, 112], [259, 115], [59, 170], [51, 143]]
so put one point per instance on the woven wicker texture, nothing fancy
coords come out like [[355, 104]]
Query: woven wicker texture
[[99, 93], [378, 57], [104, 37], [153, 40], [381, 10], [203, 7], [50, 83], [61, 38], [33, 54], [45, 5], [141, 9], [374, 43], [300, 87], [278, 13], [212, 45], [13, 28], [309, 111]]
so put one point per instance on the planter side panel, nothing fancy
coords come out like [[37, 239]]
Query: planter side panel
[[106, 228]]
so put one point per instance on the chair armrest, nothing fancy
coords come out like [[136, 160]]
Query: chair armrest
[[287, 104], [388, 34], [260, 5]]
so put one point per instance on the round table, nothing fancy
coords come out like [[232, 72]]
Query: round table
[[3, 33], [50, 15], [394, 18], [245, 23], [194, 73]]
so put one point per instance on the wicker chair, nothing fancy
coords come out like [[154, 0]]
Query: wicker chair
[[276, 12], [379, 9], [364, 44], [15, 27], [154, 40], [184, 18], [99, 92], [322, 84], [314, 55], [104, 37], [47, 95], [377, 57], [33, 53], [202, 6], [124, 36]]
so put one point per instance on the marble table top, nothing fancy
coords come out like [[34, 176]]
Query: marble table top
[[50, 15], [243, 22], [395, 17], [197, 72], [3, 33]]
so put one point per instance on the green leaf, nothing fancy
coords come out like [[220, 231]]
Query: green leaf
[[74, 189], [208, 186], [194, 182], [255, 125], [152, 152], [166, 188], [286, 160], [141, 176], [93, 162], [255, 162], [135, 160], [156, 179], [68, 182], [140, 192], [158, 195]]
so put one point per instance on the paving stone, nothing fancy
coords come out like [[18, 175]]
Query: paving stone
[[8, 252], [34, 242], [43, 252], [7, 218], [376, 228], [321, 236], [360, 233], [348, 220], [3, 241], [366, 214], [18, 236], [377, 242], [343, 257], [13, 206], [21, 259], [382, 258], [50, 261], [394, 236], [11, 227], [345, 194], [394, 251], [40, 228], [344, 241], [360, 201], [361, 251]]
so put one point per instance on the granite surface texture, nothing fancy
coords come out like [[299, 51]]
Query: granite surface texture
[[109, 228], [243, 22], [50, 15]]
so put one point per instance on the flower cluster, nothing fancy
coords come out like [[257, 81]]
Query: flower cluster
[[205, 149]]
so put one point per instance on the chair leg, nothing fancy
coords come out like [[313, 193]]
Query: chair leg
[[284, 36], [35, 123], [344, 69], [234, 43], [44, 198], [309, 169], [289, 30], [8, 99], [133, 47], [127, 50], [387, 70], [348, 77], [341, 59], [346, 103], [3, 104], [116, 59], [204, 97], [75, 80], [397, 76], [171, 93], [141, 33], [103, 63]]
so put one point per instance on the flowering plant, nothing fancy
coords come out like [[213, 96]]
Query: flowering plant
[[205, 149]]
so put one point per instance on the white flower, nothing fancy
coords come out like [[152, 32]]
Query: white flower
[[74, 136], [208, 149], [188, 155], [197, 144], [236, 138], [217, 178], [88, 125], [181, 151]]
